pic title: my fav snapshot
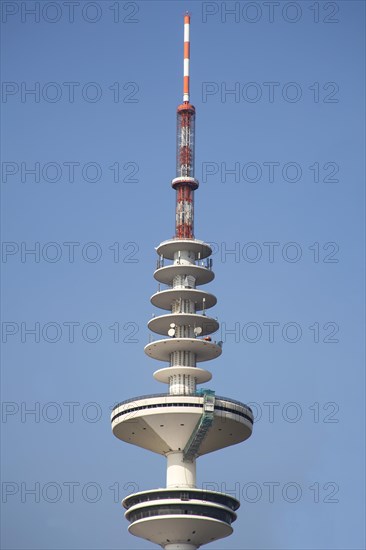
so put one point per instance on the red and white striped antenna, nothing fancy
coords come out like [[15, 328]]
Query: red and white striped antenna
[[187, 21]]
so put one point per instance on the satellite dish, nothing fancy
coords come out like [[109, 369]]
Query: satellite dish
[[197, 331], [172, 325], [171, 332]]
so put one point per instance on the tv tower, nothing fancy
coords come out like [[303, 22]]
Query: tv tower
[[185, 423]]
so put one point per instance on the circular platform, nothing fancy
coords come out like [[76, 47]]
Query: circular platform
[[201, 375], [181, 528], [165, 298], [181, 516], [187, 493], [161, 324], [166, 274], [161, 349], [192, 182], [169, 248], [164, 423]]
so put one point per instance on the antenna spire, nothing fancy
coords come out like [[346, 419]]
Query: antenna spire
[[187, 21]]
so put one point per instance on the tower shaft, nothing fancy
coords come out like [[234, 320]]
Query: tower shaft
[[184, 423]]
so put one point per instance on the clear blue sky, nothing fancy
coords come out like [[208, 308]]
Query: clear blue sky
[[294, 132]]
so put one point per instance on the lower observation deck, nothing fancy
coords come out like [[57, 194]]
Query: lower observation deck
[[163, 423], [183, 494], [198, 516], [203, 350], [193, 526], [161, 324]]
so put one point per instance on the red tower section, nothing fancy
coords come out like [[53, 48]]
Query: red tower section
[[185, 183]]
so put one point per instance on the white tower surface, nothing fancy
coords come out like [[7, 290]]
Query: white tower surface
[[186, 422]]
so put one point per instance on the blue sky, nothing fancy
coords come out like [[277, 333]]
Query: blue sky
[[99, 134]]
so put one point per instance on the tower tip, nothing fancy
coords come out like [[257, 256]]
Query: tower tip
[[187, 20]]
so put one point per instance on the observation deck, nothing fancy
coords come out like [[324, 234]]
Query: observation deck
[[191, 516], [163, 423]]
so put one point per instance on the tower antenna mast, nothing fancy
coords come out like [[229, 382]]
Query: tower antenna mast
[[185, 183]]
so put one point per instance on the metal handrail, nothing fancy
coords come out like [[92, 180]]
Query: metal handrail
[[221, 398], [207, 263]]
